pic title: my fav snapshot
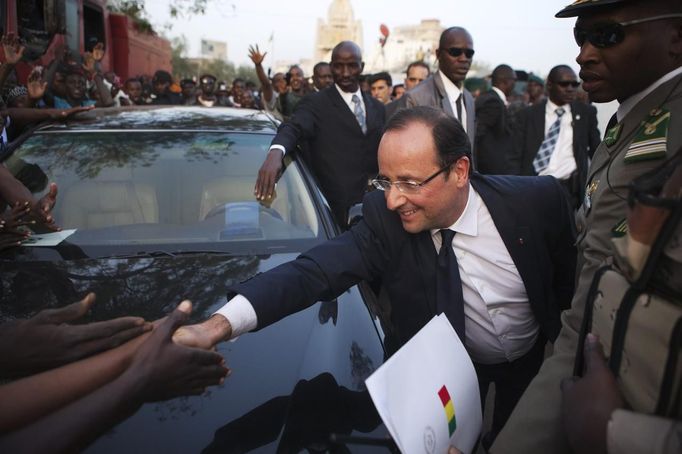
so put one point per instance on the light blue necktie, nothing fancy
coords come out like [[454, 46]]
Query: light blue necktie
[[541, 160], [359, 113]]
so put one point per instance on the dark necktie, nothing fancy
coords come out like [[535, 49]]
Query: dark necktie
[[459, 109], [449, 299]]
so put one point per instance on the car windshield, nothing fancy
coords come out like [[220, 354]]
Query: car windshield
[[166, 190]]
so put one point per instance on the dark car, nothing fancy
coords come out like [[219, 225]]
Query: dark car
[[163, 206]]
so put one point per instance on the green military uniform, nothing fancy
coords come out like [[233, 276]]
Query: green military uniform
[[627, 152]]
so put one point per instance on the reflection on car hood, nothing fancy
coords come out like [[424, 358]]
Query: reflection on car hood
[[292, 384]]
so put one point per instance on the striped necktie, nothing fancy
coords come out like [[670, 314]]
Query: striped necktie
[[359, 113], [541, 160]]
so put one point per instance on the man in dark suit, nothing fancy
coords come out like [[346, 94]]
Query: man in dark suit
[[494, 141], [501, 280], [558, 136], [342, 127], [445, 88]]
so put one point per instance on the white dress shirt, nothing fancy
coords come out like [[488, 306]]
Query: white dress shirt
[[562, 162], [502, 96], [348, 99], [453, 92], [499, 323]]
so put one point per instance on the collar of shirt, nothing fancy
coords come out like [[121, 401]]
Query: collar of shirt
[[348, 98], [627, 105], [452, 90], [550, 109], [467, 223], [502, 96]]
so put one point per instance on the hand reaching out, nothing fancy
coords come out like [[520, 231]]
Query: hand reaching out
[[49, 340], [162, 369], [35, 84], [13, 48]]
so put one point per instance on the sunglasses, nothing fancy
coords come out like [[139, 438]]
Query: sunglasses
[[609, 34], [457, 51], [568, 83]]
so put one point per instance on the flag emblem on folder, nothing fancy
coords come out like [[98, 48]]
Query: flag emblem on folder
[[449, 408]]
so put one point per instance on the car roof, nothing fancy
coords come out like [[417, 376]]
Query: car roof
[[169, 118]]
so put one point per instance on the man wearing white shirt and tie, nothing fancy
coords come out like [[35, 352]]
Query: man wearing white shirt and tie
[[505, 274], [342, 127], [445, 88], [558, 136]]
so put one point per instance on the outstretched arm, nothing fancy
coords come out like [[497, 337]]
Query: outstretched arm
[[49, 340], [266, 86], [158, 370]]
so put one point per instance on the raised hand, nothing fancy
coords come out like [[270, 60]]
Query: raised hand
[[89, 62], [48, 340], [98, 52], [589, 401], [268, 174], [35, 84], [162, 369], [13, 48], [255, 55]]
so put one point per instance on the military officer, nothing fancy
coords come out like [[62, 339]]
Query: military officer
[[612, 34]]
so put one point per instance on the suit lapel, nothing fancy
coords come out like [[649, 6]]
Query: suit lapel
[[444, 101], [579, 124], [371, 112], [517, 236], [345, 112]]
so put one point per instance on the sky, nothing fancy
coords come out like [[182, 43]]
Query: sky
[[522, 33]]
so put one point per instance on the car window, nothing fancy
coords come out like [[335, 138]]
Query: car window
[[164, 187]]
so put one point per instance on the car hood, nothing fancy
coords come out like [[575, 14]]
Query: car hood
[[293, 384]]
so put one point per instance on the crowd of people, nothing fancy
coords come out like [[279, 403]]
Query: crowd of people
[[503, 210]]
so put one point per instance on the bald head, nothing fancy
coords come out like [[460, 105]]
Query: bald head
[[347, 66], [347, 47], [451, 32]]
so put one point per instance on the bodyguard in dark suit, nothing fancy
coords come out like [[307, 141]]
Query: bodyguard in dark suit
[[342, 126], [575, 142], [494, 148], [506, 270]]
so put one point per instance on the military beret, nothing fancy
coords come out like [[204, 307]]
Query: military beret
[[580, 7], [537, 79]]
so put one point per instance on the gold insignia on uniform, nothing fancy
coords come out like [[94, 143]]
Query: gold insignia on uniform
[[589, 190], [620, 229], [612, 135], [651, 139]]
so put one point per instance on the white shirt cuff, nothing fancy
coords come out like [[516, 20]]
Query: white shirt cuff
[[278, 147], [241, 315]]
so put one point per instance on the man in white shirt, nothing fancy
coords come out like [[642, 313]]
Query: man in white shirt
[[558, 136], [342, 127], [445, 89], [501, 281]]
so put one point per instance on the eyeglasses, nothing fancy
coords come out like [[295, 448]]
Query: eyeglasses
[[609, 34], [408, 186], [457, 51], [568, 83]]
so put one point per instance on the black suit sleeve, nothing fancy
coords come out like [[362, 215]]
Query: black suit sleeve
[[322, 273], [488, 115], [562, 249], [300, 127], [519, 137]]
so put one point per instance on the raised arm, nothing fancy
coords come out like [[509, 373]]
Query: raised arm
[[266, 86]]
